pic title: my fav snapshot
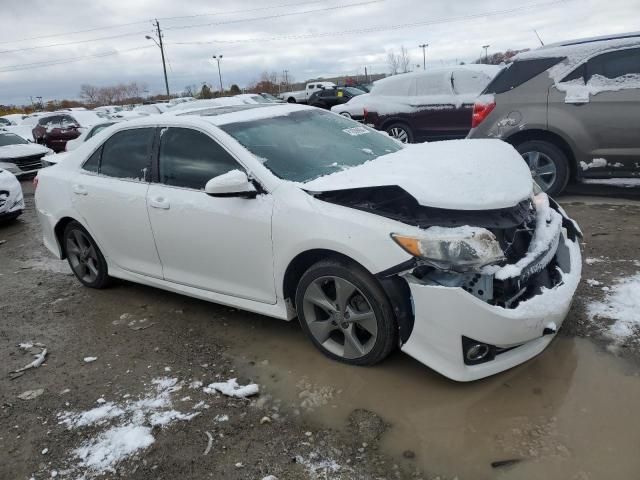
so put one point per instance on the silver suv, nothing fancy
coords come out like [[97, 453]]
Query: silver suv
[[571, 109]]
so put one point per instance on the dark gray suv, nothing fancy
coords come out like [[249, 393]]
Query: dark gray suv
[[571, 109]]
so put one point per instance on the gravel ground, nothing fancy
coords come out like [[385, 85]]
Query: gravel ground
[[140, 335]]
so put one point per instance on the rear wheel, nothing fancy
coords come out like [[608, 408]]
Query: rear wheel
[[291, 100], [84, 257], [548, 164], [346, 114], [400, 132], [345, 313]]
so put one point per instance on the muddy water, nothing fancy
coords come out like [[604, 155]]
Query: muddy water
[[571, 413]]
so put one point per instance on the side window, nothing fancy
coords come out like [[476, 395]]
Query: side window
[[127, 154], [93, 162], [615, 64], [432, 85], [190, 159]]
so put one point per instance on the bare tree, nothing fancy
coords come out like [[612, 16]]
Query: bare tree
[[190, 91], [405, 59], [89, 93], [393, 61]]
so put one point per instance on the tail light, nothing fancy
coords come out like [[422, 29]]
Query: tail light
[[364, 114], [481, 110], [35, 183]]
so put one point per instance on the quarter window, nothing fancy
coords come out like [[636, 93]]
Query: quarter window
[[127, 154], [190, 159]]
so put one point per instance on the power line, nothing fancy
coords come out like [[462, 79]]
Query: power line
[[48, 63], [376, 28], [120, 25], [276, 15]]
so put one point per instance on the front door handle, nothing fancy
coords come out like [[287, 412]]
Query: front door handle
[[79, 190], [159, 202]]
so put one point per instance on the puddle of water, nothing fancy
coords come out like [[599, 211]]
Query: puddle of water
[[571, 413]]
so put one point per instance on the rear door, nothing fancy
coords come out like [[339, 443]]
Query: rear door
[[597, 105], [110, 192], [220, 244]]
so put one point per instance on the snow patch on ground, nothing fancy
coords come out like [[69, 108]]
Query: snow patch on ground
[[321, 468], [230, 388], [123, 428], [595, 163], [622, 304]]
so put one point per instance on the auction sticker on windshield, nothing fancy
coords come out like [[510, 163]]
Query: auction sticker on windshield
[[355, 131]]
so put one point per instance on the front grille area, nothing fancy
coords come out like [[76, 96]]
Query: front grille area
[[32, 162]]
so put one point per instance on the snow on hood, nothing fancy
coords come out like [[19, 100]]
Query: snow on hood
[[9, 152], [456, 174]]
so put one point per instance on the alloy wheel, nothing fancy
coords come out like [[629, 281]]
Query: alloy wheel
[[399, 134], [82, 256], [340, 317], [543, 169]]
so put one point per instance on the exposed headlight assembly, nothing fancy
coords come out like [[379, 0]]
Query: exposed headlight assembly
[[461, 249]]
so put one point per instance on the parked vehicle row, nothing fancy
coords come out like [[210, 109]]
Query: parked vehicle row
[[19, 156], [11, 198]]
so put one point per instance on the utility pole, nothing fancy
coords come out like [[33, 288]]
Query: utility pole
[[286, 78], [366, 76], [159, 43], [217, 58], [486, 56], [424, 55]]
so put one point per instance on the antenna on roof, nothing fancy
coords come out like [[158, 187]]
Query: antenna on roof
[[541, 42]]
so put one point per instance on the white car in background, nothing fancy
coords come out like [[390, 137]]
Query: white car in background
[[11, 198], [21, 157], [292, 211], [24, 126], [252, 98], [354, 108]]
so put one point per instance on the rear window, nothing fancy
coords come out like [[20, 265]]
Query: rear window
[[519, 72]]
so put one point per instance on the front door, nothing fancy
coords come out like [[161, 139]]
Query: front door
[[217, 244]]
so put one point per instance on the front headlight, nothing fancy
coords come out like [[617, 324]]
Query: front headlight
[[460, 249]]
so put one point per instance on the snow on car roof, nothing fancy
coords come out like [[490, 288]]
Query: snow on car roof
[[254, 112], [575, 51]]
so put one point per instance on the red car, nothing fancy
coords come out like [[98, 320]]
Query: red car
[[435, 104], [57, 129]]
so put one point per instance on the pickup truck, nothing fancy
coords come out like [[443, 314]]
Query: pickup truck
[[301, 96]]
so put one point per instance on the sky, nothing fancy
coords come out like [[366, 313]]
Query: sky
[[103, 42]]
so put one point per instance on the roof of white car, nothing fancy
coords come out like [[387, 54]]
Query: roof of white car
[[221, 115]]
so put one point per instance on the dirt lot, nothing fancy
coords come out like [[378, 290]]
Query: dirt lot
[[568, 414]]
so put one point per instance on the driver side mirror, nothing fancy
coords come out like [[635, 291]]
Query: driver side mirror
[[231, 184]]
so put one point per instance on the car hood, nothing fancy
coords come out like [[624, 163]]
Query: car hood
[[455, 174], [9, 152]]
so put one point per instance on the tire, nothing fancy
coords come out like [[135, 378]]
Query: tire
[[541, 157], [84, 257], [346, 114], [334, 331], [291, 100], [401, 132]]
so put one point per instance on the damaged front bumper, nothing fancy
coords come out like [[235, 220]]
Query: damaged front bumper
[[466, 338]]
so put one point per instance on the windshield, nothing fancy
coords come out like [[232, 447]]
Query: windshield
[[354, 91], [308, 144], [11, 139]]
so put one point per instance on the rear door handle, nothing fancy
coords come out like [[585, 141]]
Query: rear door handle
[[80, 190], [159, 202]]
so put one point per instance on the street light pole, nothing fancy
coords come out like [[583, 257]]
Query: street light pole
[[218, 58], [424, 55], [161, 46], [486, 56]]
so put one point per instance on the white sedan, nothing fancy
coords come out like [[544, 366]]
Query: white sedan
[[11, 199], [292, 211]]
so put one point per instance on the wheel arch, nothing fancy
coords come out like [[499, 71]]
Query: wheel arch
[[59, 232], [395, 288], [551, 137]]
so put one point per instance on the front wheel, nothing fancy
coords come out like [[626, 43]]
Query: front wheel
[[345, 114], [84, 257], [345, 313], [400, 132], [548, 164]]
